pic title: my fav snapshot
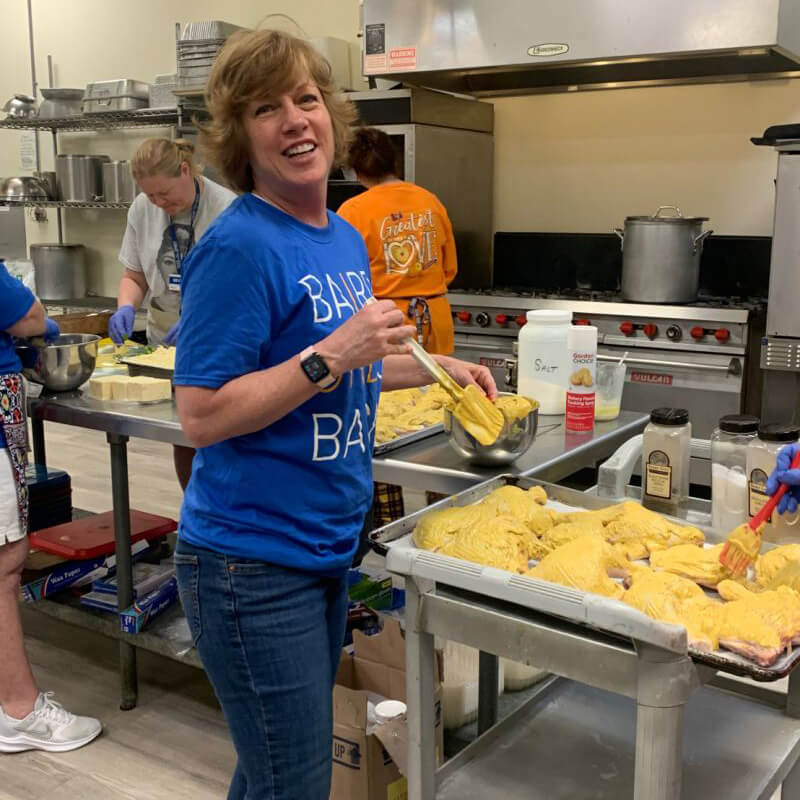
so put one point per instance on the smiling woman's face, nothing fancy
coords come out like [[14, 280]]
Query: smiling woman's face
[[291, 142]]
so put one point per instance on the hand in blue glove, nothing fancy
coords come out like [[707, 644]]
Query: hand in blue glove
[[120, 326], [51, 331], [791, 477], [172, 335]]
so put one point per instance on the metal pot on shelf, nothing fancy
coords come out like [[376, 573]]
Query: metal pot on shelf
[[59, 103], [80, 177], [118, 183], [661, 257], [60, 271]]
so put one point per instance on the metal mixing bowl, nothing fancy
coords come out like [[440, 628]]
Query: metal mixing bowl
[[63, 365], [514, 439]]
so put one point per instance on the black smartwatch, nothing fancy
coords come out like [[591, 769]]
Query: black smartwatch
[[316, 369]]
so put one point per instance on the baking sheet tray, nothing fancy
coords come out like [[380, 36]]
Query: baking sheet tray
[[407, 438], [595, 611]]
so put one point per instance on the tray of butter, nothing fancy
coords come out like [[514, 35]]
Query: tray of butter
[[158, 364], [139, 389]]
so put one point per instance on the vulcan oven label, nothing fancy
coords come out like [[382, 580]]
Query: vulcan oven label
[[402, 58], [658, 480], [374, 48], [492, 363], [658, 378]]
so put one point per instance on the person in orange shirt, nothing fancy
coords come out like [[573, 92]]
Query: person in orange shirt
[[409, 238], [412, 257]]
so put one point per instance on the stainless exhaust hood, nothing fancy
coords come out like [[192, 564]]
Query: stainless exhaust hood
[[507, 47]]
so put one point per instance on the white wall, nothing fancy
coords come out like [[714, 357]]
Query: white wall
[[566, 162], [583, 162]]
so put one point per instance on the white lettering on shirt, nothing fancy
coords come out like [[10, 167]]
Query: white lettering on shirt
[[312, 282], [332, 452]]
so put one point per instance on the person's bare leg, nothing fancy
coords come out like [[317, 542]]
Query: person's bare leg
[[18, 690], [182, 458]]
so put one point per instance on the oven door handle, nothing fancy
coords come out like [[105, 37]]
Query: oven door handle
[[734, 367]]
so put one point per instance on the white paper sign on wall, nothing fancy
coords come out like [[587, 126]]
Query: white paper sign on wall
[[27, 151]]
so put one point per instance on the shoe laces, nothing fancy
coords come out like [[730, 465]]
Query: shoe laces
[[52, 710]]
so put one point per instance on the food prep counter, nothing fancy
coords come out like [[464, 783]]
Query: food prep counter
[[427, 464]]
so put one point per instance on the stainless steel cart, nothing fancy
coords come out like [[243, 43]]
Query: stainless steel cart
[[630, 714]]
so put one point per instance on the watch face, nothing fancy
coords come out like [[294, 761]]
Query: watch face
[[315, 367]]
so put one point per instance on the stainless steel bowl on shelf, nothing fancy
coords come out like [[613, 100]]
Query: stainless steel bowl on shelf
[[514, 439], [63, 365]]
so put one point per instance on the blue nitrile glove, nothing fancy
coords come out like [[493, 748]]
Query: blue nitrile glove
[[172, 335], [791, 477], [51, 331], [120, 326]]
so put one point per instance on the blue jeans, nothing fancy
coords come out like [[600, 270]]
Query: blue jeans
[[270, 639]]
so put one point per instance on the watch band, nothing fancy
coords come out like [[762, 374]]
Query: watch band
[[325, 381]]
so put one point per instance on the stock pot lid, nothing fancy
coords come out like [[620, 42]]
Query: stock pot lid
[[668, 220]]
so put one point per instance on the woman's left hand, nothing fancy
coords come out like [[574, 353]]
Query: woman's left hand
[[465, 373]]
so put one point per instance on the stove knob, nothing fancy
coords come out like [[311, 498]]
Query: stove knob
[[627, 328], [464, 316], [501, 319], [650, 331], [697, 332], [482, 318], [581, 322], [520, 319], [674, 333], [722, 335]]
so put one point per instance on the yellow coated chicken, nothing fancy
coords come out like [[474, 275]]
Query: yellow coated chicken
[[585, 563], [772, 562], [638, 532], [437, 528], [671, 598], [519, 503], [500, 542], [565, 532], [407, 410], [698, 564], [779, 607]]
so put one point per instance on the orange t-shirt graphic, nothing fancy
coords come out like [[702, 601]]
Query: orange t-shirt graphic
[[411, 249]]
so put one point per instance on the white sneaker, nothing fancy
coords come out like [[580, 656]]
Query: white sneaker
[[48, 727]]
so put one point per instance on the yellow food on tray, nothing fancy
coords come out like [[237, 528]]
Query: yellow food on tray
[[773, 562], [406, 411], [699, 564], [160, 358], [125, 388]]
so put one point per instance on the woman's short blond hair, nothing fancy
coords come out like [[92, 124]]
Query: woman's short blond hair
[[254, 65], [163, 157]]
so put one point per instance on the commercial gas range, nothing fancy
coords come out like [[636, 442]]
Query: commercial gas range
[[704, 356]]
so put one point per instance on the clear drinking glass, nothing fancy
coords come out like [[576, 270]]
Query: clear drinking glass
[[609, 384]]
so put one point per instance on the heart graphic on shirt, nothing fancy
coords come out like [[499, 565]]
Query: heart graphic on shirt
[[403, 252]]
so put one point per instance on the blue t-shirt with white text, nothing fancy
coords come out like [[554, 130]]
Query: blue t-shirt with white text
[[15, 302], [256, 290]]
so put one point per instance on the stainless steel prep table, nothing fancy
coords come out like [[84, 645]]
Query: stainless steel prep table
[[429, 464], [433, 465]]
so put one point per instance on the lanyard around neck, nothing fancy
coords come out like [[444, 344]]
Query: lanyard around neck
[[176, 250]]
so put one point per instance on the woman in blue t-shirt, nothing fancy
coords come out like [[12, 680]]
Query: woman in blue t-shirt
[[29, 719], [280, 360]]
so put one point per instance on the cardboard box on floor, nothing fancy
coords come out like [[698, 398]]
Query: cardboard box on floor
[[362, 768]]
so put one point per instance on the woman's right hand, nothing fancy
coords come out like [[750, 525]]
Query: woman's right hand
[[120, 326], [377, 330]]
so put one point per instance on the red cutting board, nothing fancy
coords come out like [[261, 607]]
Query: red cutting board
[[93, 536]]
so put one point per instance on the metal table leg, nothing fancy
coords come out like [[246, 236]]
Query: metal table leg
[[488, 679], [665, 682], [790, 788], [793, 696], [420, 693], [122, 529], [37, 434]]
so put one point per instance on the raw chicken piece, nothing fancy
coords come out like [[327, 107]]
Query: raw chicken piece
[[501, 542], [437, 528], [539, 494], [585, 563], [670, 598], [741, 629], [522, 505], [770, 563], [567, 531], [639, 532], [779, 608], [690, 561]]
